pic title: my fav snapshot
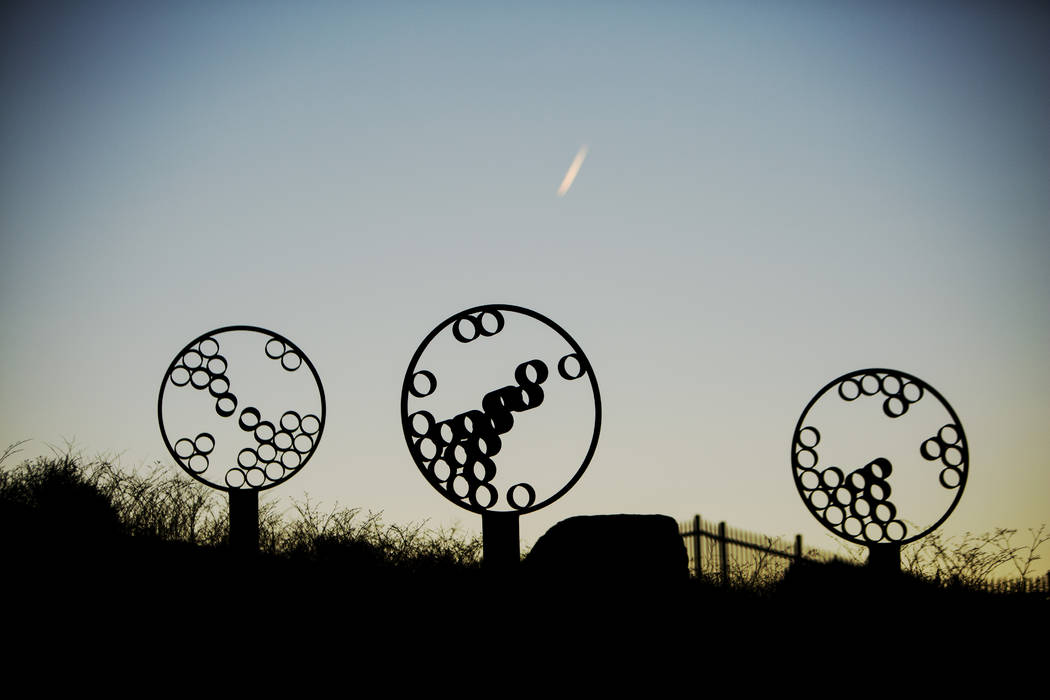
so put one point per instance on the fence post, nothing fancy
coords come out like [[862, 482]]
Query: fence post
[[696, 545], [722, 552], [798, 548]]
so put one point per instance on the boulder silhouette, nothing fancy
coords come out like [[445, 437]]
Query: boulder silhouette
[[612, 548]]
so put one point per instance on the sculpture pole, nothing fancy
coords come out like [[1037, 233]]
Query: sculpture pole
[[244, 521], [885, 558], [501, 541]]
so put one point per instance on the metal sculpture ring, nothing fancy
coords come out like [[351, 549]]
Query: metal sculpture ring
[[273, 448], [457, 454], [857, 505]]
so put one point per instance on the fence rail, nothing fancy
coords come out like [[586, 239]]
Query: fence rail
[[717, 550], [1039, 585], [730, 555]]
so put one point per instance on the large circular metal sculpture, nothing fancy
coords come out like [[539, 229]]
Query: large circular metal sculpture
[[503, 367], [241, 408], [879, 457]]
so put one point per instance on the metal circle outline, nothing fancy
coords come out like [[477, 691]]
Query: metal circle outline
[[406, 390], [906, 378], [272, 336]]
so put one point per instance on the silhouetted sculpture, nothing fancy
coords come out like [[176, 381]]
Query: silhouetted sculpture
[[278, 447], [857, 505], [457, 454]]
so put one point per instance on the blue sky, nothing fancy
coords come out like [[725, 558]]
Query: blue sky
[[774, 195]]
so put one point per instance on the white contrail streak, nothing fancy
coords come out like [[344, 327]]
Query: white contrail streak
[[573, 169]]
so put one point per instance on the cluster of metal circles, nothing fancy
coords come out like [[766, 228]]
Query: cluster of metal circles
[[949, 447], [857, 506], [900, 392], [201, 366], [280, 449], [456, 455], [280, 349], [194, 453]]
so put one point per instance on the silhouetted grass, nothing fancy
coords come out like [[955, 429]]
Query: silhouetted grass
[[66, 501]]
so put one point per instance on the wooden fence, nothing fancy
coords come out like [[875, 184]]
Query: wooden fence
[[733, 556], [1038, 586]]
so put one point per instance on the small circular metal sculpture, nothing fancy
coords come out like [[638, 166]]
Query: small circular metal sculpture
[[224, 441], [456, 449], [850, 491]]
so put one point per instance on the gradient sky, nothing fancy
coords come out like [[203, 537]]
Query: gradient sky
[[774, 194]]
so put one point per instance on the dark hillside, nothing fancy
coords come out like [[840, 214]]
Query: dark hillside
[[85, 546]]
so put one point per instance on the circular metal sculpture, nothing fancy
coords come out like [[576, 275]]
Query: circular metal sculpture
[[225, 429], [851, 466], [458, 425]]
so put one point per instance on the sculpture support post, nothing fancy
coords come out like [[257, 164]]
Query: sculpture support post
[[244, 521], [884, 558], [501, 546]]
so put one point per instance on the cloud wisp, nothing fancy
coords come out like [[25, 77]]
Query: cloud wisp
[[570, 176]]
